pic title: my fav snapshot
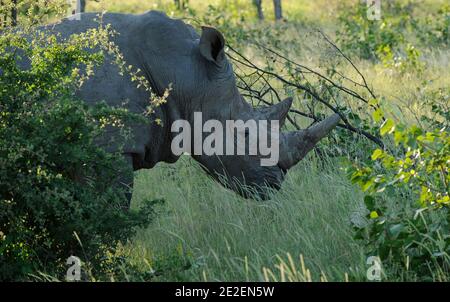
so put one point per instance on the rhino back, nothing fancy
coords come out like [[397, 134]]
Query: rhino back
[[164, 47], [163, 44], [149, 40]]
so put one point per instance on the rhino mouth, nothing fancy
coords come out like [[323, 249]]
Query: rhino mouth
[[259, 185]]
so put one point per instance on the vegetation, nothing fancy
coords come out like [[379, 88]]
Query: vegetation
[[56, 198], [377, 187]]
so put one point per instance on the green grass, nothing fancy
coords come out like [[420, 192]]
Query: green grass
[[228, 238]]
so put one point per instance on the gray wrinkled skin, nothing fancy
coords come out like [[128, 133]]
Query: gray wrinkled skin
[[171, 52]]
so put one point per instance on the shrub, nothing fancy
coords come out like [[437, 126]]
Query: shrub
[[407, 195], [31, 12], [405, 60], [357, 34], [57, 196], [435, 28]]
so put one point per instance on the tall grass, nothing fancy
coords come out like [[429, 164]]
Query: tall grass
[[220, 236]]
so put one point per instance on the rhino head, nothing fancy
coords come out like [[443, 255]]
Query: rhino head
[[215, 94]]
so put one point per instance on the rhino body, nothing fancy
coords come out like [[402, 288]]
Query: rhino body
[[202, 79]]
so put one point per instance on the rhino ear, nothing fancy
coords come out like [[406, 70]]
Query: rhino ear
[[212, 45]]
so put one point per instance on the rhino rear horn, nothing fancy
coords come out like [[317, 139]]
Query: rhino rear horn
[[277, 112], [212, 44], [295, 145]]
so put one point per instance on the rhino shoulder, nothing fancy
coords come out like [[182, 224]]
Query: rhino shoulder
[[160, 22], [86, 21]]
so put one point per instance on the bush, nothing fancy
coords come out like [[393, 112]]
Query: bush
[[363, 37], [31, 12], [435, 28], [407, 197], [390, 40], [405, 60], [57, 196]]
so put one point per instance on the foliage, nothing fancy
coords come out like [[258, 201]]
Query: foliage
[[32, 12], [406, 60], [56, 192], [390, 39], [413, 234], [438, 103], [435, 28], [358, 34]]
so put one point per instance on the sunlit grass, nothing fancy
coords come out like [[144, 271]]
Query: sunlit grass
[[225, 237]]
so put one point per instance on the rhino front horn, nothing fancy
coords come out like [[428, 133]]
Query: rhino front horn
[[295, 145]]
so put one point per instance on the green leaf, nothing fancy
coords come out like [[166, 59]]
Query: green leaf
[[399, 137], [387, 128], [377, 115], [396, 229], [367, 185], [373, 215], [373, 102], [377, 154], [369, 201]]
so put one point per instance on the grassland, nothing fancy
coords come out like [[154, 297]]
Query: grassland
[[215, 235], [224, 237]]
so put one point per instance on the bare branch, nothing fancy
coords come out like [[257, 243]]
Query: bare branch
[[263, 74]]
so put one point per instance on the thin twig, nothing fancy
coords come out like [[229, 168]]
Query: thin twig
[[261, 72]]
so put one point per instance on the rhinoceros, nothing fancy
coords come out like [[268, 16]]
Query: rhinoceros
[[172, 53]]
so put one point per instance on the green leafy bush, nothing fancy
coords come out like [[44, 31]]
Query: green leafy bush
[[392, 40], [31, 12], [405, 60], [364, 37], [435, 28], [407, 195], [57, 193]]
